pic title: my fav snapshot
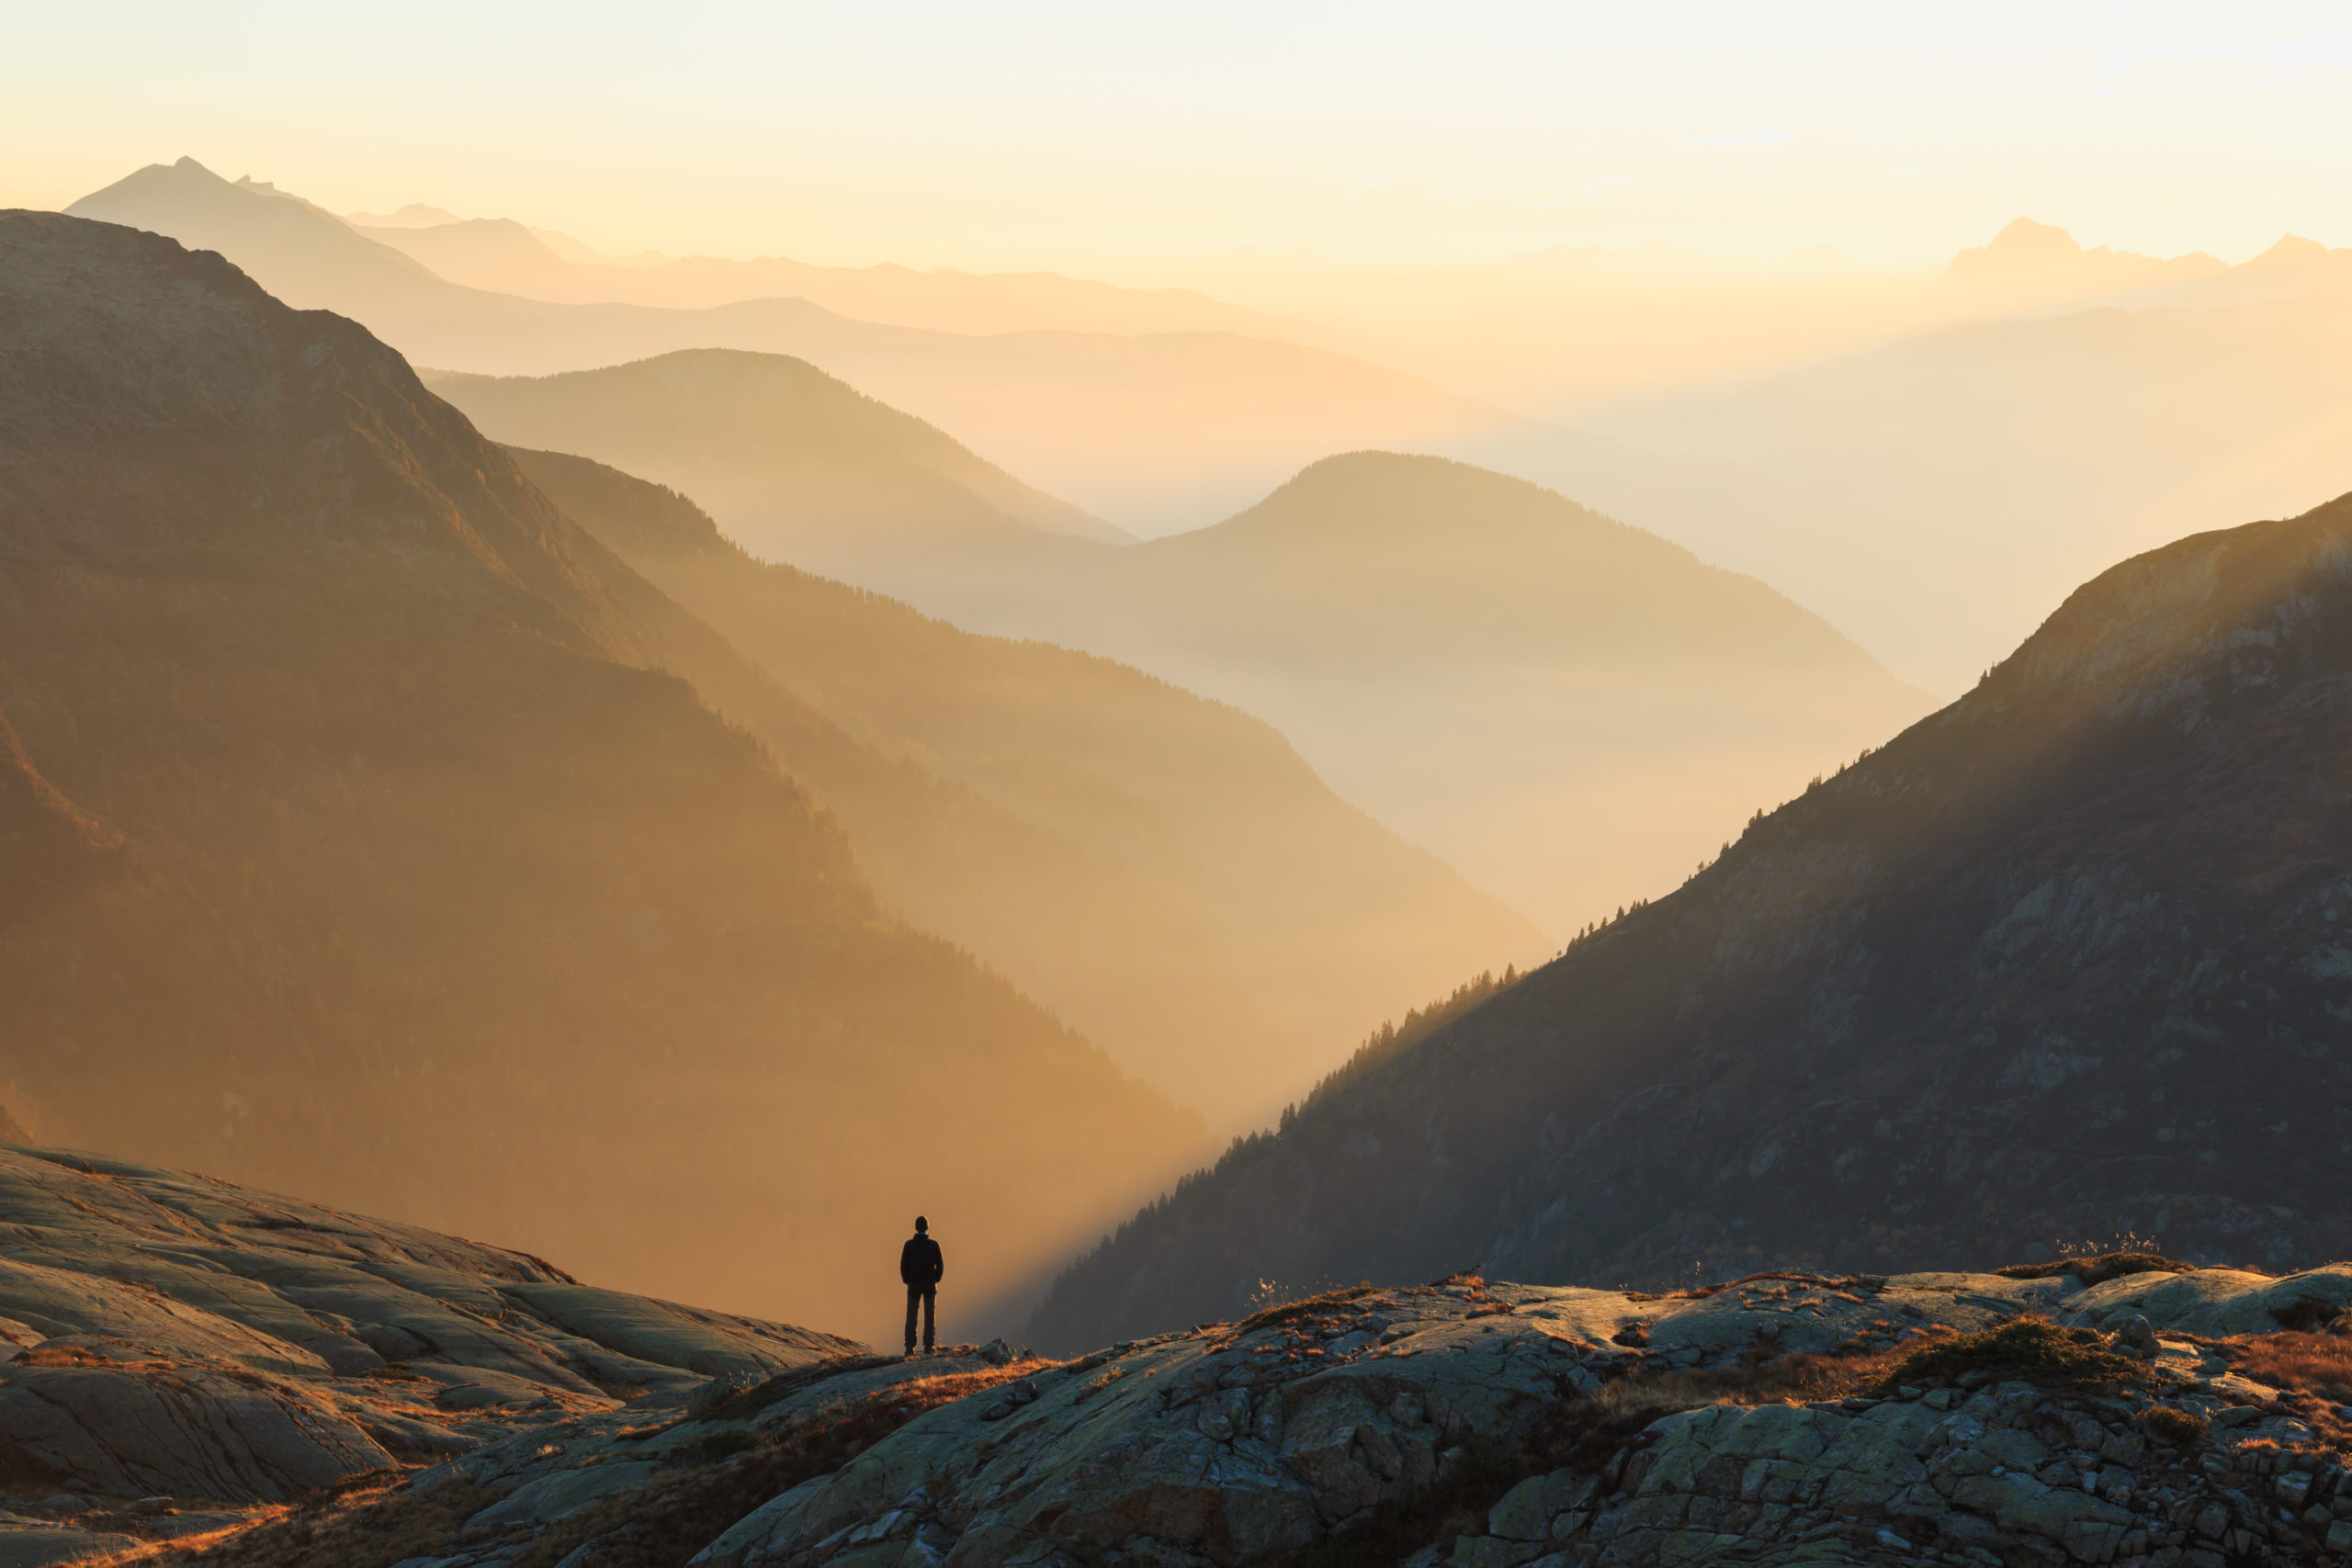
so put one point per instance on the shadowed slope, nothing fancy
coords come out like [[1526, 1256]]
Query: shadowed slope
[[448, 901], [2064, 959], [1295, 923]]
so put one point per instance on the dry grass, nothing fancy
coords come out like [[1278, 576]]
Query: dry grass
[[1305, 1307], [2315, 1364], [2312, 1373], [367, 1527]]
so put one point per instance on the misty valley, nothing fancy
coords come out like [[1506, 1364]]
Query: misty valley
[[1583, 907]]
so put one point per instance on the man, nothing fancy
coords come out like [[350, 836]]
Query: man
[[920, 1267]]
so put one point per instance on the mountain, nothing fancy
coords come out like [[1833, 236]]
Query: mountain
[[2030, 266], [1931, 497], [508, 257], [820, 475], [441, 891], [1571, 711], [2064, 959], [1163, 870], [1152, 430]]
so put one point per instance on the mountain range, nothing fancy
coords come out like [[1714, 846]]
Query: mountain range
[[2063, 962], [507, 257], [1149, 430], [384, 849], [1572, 711], [1933, 496], [1165, 872]]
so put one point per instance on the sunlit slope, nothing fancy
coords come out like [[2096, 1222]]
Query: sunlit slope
[[1572, 711], [819, 474], [2066, 960], [440, 893], [1152, 430], [1289, 923]]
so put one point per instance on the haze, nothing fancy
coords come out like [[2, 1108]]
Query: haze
[[1088, 559]]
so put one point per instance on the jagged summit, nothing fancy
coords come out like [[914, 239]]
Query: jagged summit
[[2063, 959]]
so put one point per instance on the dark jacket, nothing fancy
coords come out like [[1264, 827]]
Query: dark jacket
[[920, 1262]]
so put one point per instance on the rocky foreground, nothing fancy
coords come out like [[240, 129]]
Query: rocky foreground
[[180, 1356], [205, 1375]]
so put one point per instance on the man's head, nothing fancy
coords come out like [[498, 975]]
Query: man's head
[[921, 1224]]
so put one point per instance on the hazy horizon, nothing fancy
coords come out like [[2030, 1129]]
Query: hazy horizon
[[935, 137], [1229, 525]]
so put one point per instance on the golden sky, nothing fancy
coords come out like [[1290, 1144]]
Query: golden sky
[[1123, 140]]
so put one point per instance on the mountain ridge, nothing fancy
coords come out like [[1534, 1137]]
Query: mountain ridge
[[1292, 922], [432, 850], [1992, 983]]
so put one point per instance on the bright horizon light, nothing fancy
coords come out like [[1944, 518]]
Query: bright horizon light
[[1125, 141]]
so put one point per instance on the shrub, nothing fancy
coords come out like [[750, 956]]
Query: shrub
[[2168, 1424], [2030, 1349], [2098, 1271]]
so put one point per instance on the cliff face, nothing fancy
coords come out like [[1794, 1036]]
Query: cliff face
[[2065, 960], [441, 889]]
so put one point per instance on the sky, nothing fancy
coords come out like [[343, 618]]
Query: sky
[[1121, 139]]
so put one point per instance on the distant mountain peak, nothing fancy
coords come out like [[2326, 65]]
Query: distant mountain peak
[[416, 215], [2024, 246], [2292, 250]]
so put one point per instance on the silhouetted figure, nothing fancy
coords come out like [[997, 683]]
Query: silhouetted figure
[[920, 1266]]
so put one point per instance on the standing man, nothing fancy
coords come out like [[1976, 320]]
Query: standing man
[[920, 1267]]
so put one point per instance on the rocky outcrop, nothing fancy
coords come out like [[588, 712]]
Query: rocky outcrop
[[1775, 1419], [181, 1340]]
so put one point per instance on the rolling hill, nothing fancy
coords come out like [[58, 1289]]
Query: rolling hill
[[2063, 962], [439, 890], [1163, 870]]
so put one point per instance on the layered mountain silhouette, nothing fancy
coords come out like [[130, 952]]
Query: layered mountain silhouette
[[1933, 496], [508, 257], [1151, 430], [438, 889], [1572, 711], [815, 473], [2064, 961], [1164, 871]]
